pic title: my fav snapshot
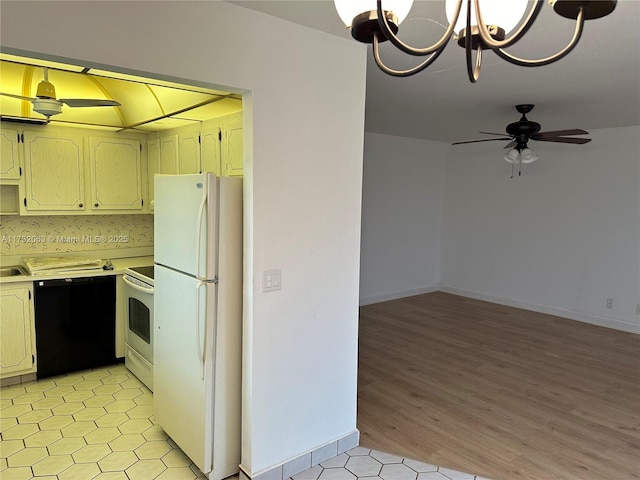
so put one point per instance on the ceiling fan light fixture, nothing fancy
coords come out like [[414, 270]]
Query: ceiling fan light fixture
[[528, 156], [47, 106], [512, 156]]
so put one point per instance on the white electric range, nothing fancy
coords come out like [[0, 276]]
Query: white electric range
[[139, 323]]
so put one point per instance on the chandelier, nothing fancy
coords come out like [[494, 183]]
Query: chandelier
[[477, 25]]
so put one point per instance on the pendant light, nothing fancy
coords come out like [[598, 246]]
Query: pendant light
[[477, 25]]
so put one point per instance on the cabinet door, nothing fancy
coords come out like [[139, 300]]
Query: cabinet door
[[17, 344], [210, 147], [232, 160], [153, 165], [189, 153], [116, 174], [54, 174], [169, 155], [9, 155]]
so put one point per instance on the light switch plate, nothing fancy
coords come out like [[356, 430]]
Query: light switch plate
[[271, 280]]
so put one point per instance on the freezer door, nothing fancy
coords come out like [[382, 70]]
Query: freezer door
[[184, 362], [185, 223]]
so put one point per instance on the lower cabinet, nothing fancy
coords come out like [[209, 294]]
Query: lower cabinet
[[17, 327]]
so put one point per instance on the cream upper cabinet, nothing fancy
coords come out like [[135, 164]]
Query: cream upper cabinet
[[116, 174], [10, 154], [232, 159], [17, 342], [210, 146], [189, 149], [54, 173], [169, 154]]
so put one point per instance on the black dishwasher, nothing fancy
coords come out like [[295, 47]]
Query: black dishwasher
[[75, 324]]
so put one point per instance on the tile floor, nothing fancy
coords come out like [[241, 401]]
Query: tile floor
[[98, 425], [364, 464]]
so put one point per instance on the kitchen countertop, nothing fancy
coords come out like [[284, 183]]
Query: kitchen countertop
[[119, 264]]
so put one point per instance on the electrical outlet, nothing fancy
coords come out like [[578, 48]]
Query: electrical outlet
[[609, 302]]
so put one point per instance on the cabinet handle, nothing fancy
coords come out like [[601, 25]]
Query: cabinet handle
[[80, 205], [96, 205]]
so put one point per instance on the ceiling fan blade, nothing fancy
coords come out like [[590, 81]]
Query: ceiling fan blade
[[84, 102], [558, 133], [564, 140], [491, 133], [20, 97], [510, 145], [481, 140]]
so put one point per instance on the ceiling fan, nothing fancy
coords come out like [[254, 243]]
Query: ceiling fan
[[522, 131], [46, 103], [519, 133]]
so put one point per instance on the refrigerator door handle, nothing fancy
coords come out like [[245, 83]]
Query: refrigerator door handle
[[200, 346], [203, 203]]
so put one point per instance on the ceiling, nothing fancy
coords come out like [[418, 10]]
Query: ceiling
[[595, 86], [146, 104]]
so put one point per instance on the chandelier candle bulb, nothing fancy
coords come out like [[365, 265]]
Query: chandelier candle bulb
[[348, 10], [505, 14]]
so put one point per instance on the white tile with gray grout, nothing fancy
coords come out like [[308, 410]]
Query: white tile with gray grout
[[98, 424]]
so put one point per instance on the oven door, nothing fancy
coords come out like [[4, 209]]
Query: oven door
[[139, 317]]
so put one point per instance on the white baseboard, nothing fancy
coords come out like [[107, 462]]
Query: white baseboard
[[585, 317], [305, 461], [394, 296]]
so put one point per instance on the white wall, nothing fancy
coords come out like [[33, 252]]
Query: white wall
[[559, 239], [403, 190], [302, 187]]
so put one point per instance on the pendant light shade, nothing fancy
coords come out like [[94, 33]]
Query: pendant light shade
[[505, 14], [528, 156], [349, 9], [512, 156], [521, 155]]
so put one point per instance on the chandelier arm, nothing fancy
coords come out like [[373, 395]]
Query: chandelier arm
[[553, 58], [388, 33], [472, 73], [490, 42], [402, 73]]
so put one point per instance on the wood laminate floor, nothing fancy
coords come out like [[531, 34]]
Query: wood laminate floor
[[498, 391]]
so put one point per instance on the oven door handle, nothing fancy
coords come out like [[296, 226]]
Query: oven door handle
[[137, 287]]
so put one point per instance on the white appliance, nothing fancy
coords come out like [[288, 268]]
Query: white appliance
[[198, 317], [138, 357]]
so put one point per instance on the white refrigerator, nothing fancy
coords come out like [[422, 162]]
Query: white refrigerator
[[198, 317]]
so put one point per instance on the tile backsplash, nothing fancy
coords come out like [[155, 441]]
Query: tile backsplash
[[49, 234]]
